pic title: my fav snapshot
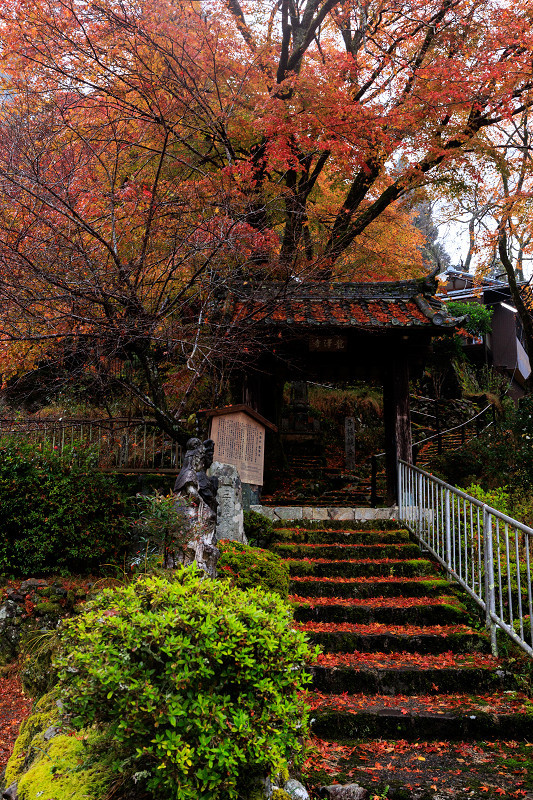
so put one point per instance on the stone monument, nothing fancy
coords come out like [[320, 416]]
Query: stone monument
[[199, 508], [230, 521]]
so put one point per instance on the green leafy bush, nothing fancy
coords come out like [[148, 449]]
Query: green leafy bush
[[197, 680], [478, 317], [159, 528], [498, 498], [259, 529], [250, 567], [56, 517]]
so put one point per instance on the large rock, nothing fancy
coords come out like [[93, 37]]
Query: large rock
[[49, 764], [351, 791], [296, 790], [230, 520]]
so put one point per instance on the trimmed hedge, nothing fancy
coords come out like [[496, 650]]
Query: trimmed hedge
[[251, 567]]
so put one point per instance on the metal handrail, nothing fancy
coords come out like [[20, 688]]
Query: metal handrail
[[487, 552], [455, 427], [439, 435]]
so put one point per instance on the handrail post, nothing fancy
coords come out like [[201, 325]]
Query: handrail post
[[490, 597], [373, 482], [419, 502], [447, 528], [400, 490]]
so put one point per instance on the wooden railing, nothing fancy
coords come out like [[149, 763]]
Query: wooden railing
[[118, 444]]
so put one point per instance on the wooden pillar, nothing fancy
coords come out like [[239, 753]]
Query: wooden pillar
[[396, 417]]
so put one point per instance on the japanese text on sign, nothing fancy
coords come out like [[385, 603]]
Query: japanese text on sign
[[240, 440]]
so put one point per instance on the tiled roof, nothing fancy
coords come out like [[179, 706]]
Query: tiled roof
[[367, 306]]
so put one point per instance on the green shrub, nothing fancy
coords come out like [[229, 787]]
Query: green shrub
[[56, 517], [498, 498], [259, 529], [479, 317], [159, 528], [251, 567], [198, 681]]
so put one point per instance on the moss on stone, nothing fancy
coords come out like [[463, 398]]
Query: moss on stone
[[37, 673], [60, 768], [29, 741], [41, 609], [65, 772], [280, 794]]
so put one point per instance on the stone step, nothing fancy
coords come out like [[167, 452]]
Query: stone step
[[404, 678], [324, 567], [340, 550], [362, 587], [451, 716], [297, 536], [422, 770], [374, 637], [444, 610]]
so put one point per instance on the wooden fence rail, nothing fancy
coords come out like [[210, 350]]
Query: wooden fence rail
[[119, 444]]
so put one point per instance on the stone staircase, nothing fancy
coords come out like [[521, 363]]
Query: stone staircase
[[407, 700]]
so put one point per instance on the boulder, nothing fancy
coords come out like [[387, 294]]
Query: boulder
[[296, 790], [350, 791], [11, 793]]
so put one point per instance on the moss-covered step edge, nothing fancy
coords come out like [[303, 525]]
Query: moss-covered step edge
[[403, 588], [429, 614], [424, 643], [416, 567], [340, 525], [409, 680], [344, 726], [299, 535], [402, 550]]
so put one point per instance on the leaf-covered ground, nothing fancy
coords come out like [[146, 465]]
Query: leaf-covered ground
[[454, 770], [14, 707]]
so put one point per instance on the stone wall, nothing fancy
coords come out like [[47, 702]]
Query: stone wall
[[276, 513]]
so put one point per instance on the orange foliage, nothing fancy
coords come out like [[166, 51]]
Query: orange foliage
[[150, 152]]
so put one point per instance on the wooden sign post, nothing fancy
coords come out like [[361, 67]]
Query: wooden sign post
[[239, 435]]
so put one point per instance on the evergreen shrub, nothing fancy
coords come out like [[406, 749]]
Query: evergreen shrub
[[56, 516], [251, 567], [197, 682], [259, 529]]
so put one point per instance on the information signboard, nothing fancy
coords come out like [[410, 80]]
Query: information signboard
[[240, 440]]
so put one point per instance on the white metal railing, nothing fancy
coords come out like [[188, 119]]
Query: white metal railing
[[488, 553], [119, 444]]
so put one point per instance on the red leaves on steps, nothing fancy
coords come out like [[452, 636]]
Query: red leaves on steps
[[362, 580], [378, 628], [454, 769], [374, 602], [406, 660], [501, 703]]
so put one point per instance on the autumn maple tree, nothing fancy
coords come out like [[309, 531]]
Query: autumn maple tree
[[495, 198], [152, 154]]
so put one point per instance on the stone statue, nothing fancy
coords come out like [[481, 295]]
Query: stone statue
[[200, 510]]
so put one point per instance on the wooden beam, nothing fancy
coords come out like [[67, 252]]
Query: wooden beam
[[397, 419]]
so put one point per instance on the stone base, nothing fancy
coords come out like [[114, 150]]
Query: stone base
[[277, 513]]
